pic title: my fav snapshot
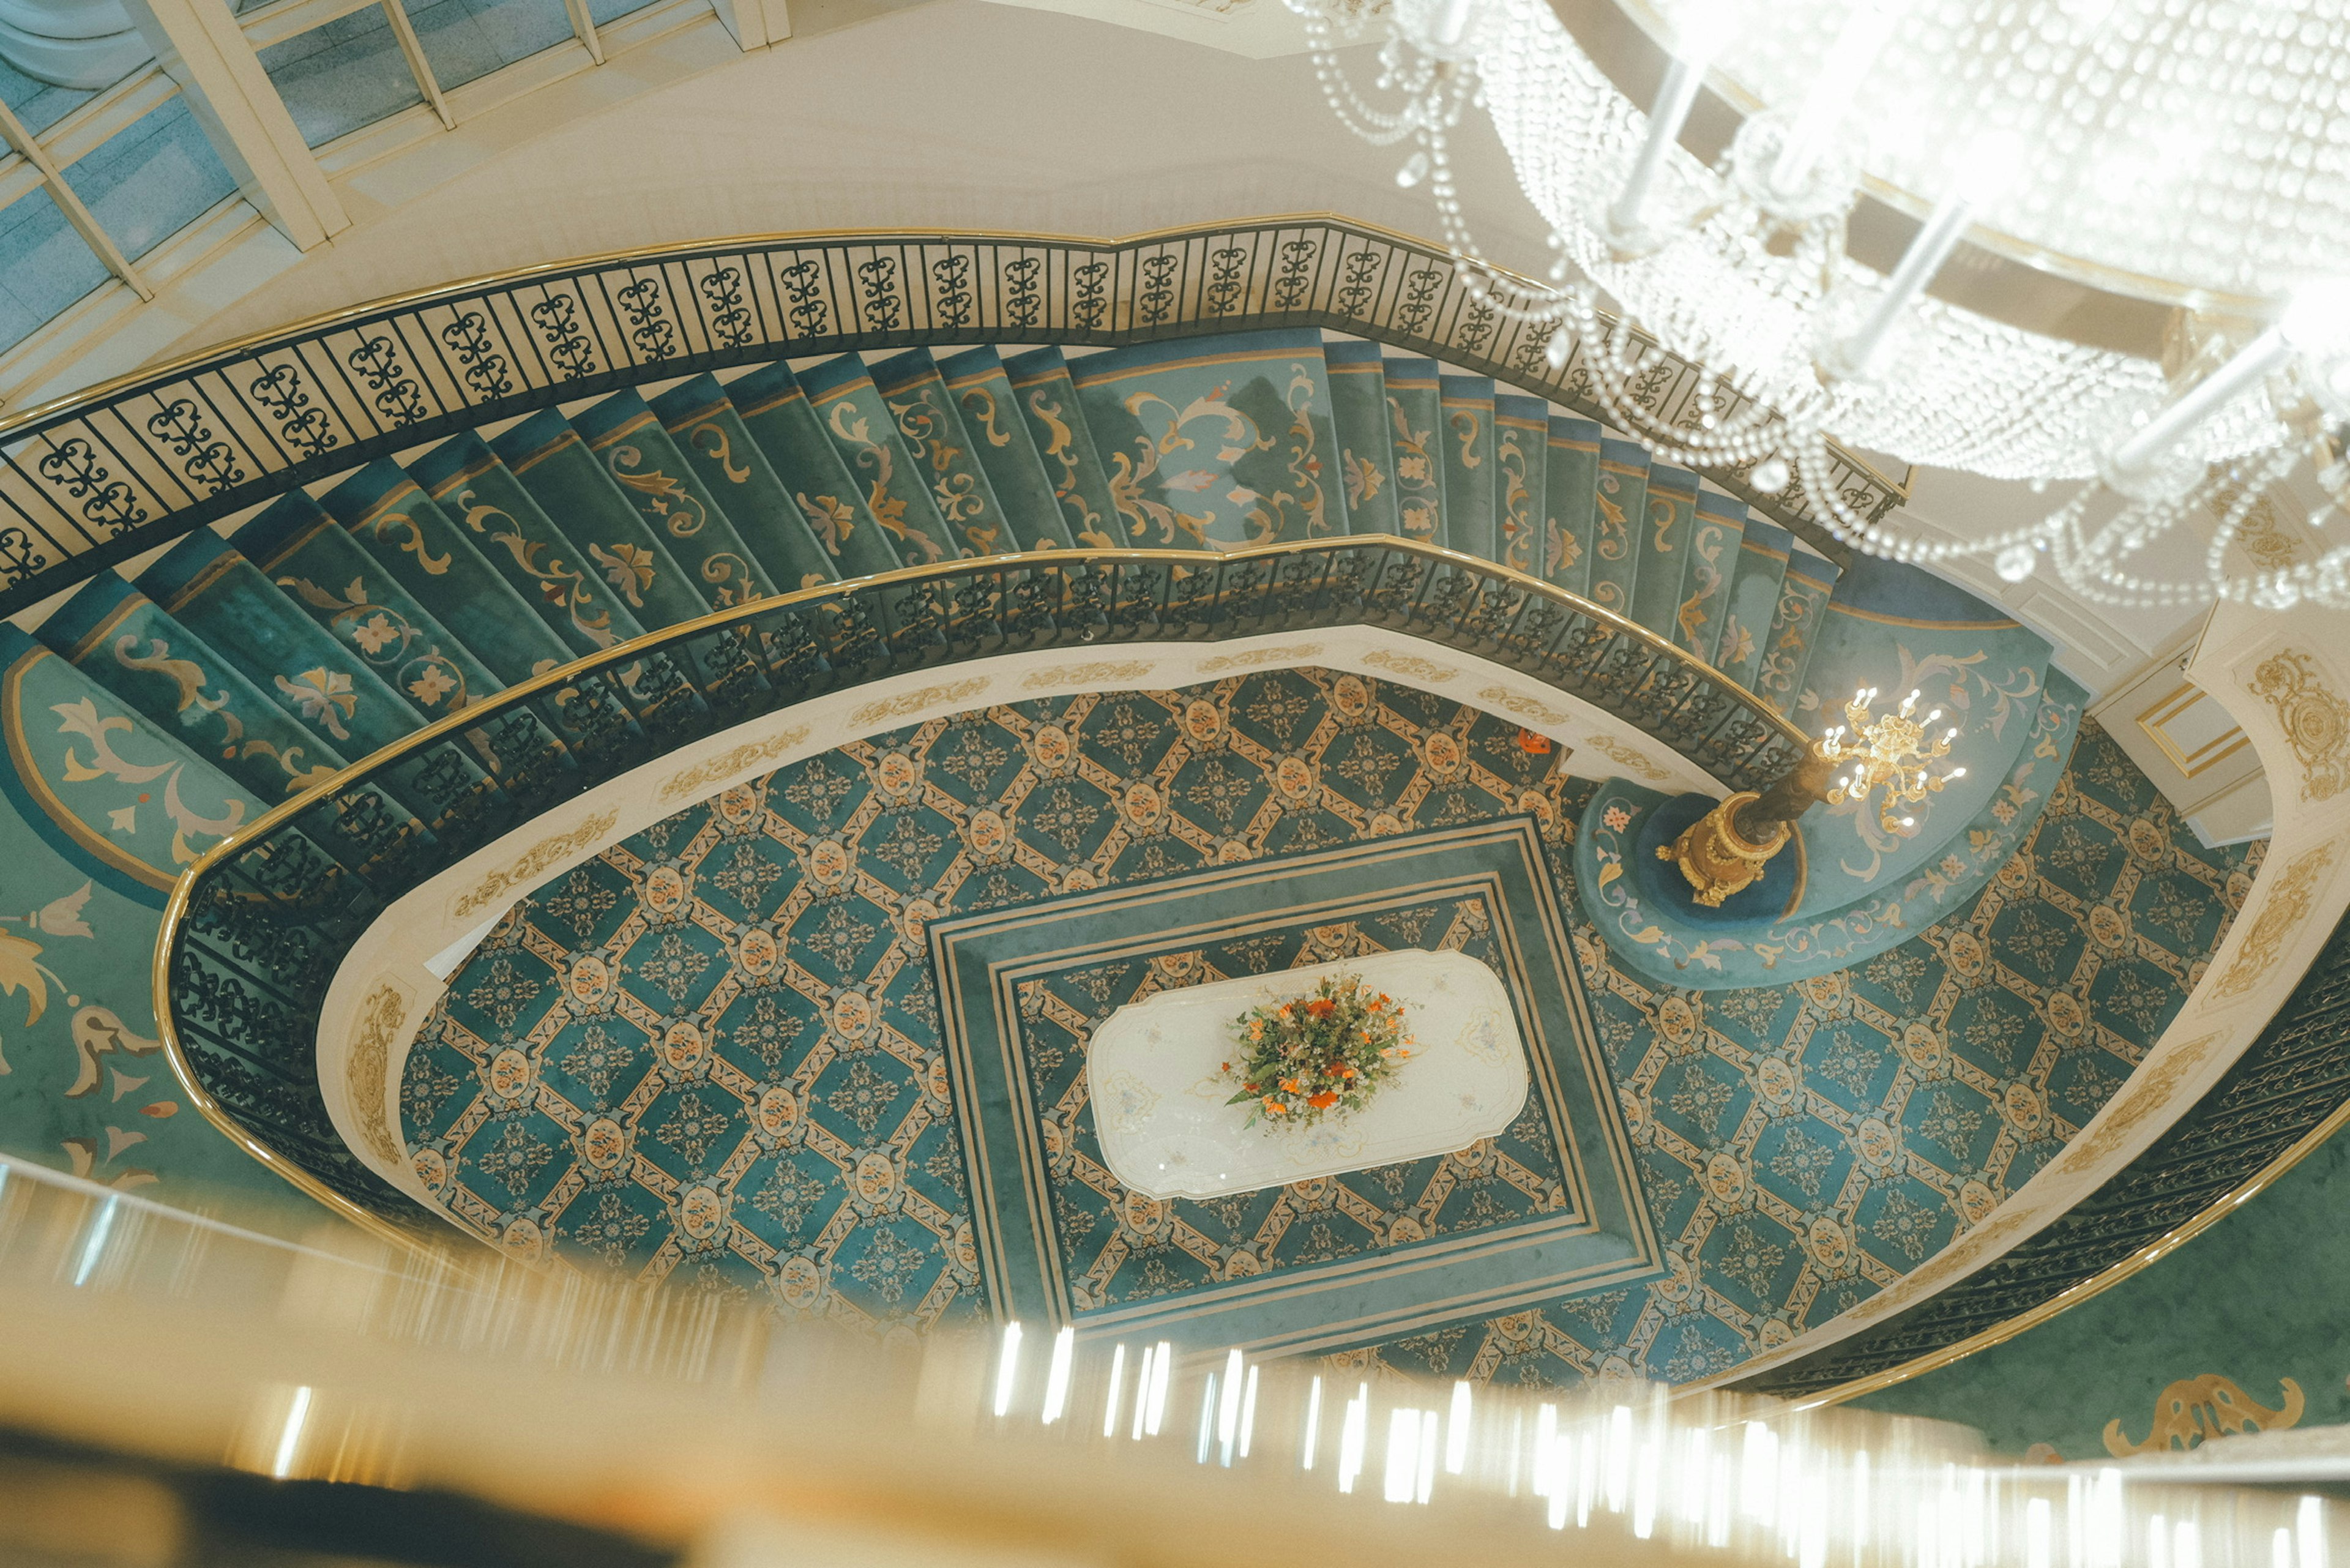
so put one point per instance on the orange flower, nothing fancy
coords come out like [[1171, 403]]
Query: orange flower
[[1321, 1007], [1322, 1101], [1275, 1108]]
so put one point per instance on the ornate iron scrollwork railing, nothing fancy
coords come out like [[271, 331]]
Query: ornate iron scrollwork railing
[[2283, 1097], [254, 927], [116, 471]]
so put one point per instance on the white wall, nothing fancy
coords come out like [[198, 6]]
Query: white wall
[[955, 114]]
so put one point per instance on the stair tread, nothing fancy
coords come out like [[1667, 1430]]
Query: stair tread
[[981, 393], [1358, 403], [1415, 419], [146, 800], [470, 484], [1621, 507], [1048, 401], [1471, 495], [1714, 533], [1751, 599], [1216, 443], [129, 644], [848, 408], [773, 409], [933, 429], [718, 447], [1663, 551], [1522, 462], [325, 574], [1568, 493], [552, 463], [628, 440]]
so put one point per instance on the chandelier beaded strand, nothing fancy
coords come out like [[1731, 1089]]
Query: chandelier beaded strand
[[1741, 266]]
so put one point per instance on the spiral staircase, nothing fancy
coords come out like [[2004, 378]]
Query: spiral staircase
[[477, 554]]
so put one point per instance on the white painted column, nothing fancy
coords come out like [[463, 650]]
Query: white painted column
[[201, 46], [757, 23]]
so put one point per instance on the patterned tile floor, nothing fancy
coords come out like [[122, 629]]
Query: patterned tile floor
[[715, 1054]]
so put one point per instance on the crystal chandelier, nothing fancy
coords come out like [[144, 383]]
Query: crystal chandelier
[[2180, 155]]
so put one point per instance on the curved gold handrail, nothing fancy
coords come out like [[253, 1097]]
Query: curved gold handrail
[[175, 913]]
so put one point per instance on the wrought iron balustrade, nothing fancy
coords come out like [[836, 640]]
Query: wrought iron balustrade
[[109, 473], [256, 927]]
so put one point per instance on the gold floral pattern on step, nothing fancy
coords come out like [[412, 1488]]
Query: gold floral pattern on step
[[380, 1016], [2281, 915], [2315, 720], [1258, 656], [539, 857], [911, 702], [2194, 1410], [691, 783]]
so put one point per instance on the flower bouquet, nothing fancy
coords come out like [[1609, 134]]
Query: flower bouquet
[[1319, 1054]]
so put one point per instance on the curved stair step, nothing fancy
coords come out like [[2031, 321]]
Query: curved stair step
[[559, 583], [1661, 555], [850, 411], [629, 442], [1465, 439], [552, 463], [981, 393], [1620, 505], [113, 793], [1752, 598], [1803, 592], [1570, 493], [1358, 409], [1048, 400], [716, 446], [928, 422], [1714, 533], [1216, 443], [1521, 461], [775, 412], [206, 583]]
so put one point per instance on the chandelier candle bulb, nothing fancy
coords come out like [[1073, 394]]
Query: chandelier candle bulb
[[1453, 23], [1856, 49], [1670, 112], [2132, 460]]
